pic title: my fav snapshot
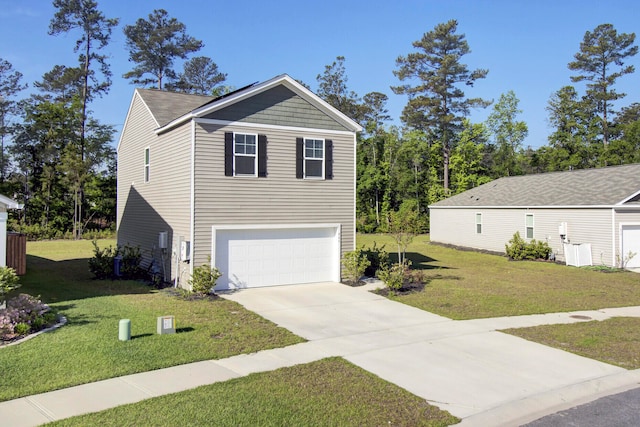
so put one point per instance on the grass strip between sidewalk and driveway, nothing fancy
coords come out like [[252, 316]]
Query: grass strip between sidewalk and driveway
[[330, 392], [615, 341], [468, 285]]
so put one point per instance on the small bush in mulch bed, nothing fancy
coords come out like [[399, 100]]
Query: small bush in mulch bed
[[24, 315], [354, 264], [401, 279]]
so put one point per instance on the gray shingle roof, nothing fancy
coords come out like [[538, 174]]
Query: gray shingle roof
[[584, 187], [166, 106]]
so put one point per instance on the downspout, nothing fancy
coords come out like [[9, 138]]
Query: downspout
[[613, 237], [192, 218], [355, 164]]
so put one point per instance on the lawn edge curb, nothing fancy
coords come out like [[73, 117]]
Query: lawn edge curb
[[61, 322]]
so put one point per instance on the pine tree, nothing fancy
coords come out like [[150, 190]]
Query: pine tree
[[433, 74], [332, 87], [10, 85], [154, 45], [200, 77], [600, 51], [95, 33]]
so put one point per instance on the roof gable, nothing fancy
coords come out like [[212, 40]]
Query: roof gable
[[277, 106], [608, 186], [210, 108]]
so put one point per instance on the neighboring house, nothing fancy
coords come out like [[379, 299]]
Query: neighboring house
[[260, 181], [572, 211], [5, 203]]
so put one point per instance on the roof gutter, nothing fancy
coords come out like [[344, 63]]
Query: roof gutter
[[617, 207]]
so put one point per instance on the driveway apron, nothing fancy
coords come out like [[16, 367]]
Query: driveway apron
[[464, 367]]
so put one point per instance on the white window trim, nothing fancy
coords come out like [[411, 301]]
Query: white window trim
[[255, 156], [533, 224], [147, 165], [478, 223], [304, 158]]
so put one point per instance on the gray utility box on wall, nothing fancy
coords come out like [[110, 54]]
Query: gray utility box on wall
[[166, 325]]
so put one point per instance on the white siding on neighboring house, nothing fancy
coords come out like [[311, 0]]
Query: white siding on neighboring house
[[457, 226], [498, 226], [280, 198], [583, 226]]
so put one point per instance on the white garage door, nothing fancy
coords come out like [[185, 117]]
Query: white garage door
[[631, 243], [253, 257]]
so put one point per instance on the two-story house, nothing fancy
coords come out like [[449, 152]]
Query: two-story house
[[260, 181]]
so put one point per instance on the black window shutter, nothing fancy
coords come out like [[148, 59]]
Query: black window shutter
[[262, 156], [228, 153], [328, 159], [299, 158]]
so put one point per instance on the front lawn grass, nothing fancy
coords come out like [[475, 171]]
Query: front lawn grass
[[615, 341], [467, 285], [330, 392], [87, 349]]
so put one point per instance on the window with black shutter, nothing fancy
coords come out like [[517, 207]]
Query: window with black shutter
[[314, 158], [245, 154]]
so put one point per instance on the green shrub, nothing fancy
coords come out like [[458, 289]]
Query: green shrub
[[377, 257], [131, 259], [204, 279], [517, 249], [101, 265], [394, 276], [36, 231], [21, 329], [366, 223], [354, 263], [50, 318], [9, 281], [106, 233]]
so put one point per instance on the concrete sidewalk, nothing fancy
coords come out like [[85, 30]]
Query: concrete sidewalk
[[483, 376]]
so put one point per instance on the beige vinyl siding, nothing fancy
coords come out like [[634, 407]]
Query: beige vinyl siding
[[279, 198], [163, 203], [278, 106], [457, 227]]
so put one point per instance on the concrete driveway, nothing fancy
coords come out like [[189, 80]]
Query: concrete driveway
[[465, 367]]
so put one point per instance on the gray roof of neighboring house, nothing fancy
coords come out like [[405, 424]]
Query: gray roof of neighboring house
[[166, 106], [583, 187]]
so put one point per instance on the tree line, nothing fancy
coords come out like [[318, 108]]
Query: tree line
[[58, 159], [439, 152]]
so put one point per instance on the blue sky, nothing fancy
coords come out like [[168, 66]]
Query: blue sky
[[526, 45]]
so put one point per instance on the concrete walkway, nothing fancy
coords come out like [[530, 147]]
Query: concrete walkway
[[468, 368]]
